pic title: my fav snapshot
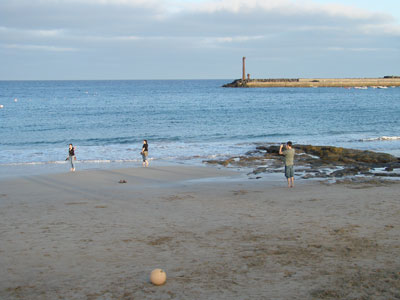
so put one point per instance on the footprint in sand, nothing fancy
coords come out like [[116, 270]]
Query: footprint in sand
[[159, 241], [178, 197], [240, 192]]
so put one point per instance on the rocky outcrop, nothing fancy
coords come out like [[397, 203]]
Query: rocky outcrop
[[245, 83], [339, 155], [236, 83], [316, 161]]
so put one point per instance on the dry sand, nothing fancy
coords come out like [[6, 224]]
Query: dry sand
[[83, 235]]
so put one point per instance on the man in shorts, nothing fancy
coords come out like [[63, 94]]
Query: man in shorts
[[289, 157]]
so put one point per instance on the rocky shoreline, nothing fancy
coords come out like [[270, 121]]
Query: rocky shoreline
[[320, 162]]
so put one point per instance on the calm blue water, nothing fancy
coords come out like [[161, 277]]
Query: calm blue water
[[184, 120]]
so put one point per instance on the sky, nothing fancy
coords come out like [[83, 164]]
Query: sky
[[198, 39]]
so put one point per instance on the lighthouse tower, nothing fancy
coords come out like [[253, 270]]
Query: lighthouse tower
[[244, 69]]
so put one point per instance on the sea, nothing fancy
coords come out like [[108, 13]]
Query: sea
[[184, 121]]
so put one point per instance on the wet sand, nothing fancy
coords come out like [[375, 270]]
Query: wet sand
[[84, 235]]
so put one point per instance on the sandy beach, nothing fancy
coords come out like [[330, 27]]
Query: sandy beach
[[217, 235]]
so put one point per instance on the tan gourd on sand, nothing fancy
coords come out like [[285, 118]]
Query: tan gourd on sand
[[158, 277]]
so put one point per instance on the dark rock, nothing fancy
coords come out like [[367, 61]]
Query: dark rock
[[345, 172], [387, 175], [338, 173], [346, 156], [262, 148], [236, 83], [273, 149], [366, 173], [251, 153], [307, 176], [259, 170]]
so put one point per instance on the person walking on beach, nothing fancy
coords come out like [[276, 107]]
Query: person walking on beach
[[289, 157], [145, 153], [71, 157]]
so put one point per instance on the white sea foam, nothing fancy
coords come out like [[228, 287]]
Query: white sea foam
[[86, 161], [381, 138], [33, 163]]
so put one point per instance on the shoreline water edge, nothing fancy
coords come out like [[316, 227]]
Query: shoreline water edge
[[262, 162]]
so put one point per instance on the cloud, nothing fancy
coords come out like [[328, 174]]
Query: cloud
[[214, 42], [388, 29], [133, 3], [168, 30], [32, 32], [178, 18], [39, 48], [236, 39], [46, 33], [354, 49], [285, 8]]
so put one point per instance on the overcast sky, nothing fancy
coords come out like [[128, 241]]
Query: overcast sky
[[198, 39]]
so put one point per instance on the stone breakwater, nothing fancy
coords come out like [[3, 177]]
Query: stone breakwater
[[386, 81], [317, 162]]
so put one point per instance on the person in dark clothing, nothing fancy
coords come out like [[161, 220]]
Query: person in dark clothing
[[145, 153], [71, 157]]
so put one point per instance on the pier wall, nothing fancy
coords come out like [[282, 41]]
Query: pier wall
[[317, 82]]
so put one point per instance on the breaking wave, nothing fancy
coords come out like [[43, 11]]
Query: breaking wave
[[381, 138]]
